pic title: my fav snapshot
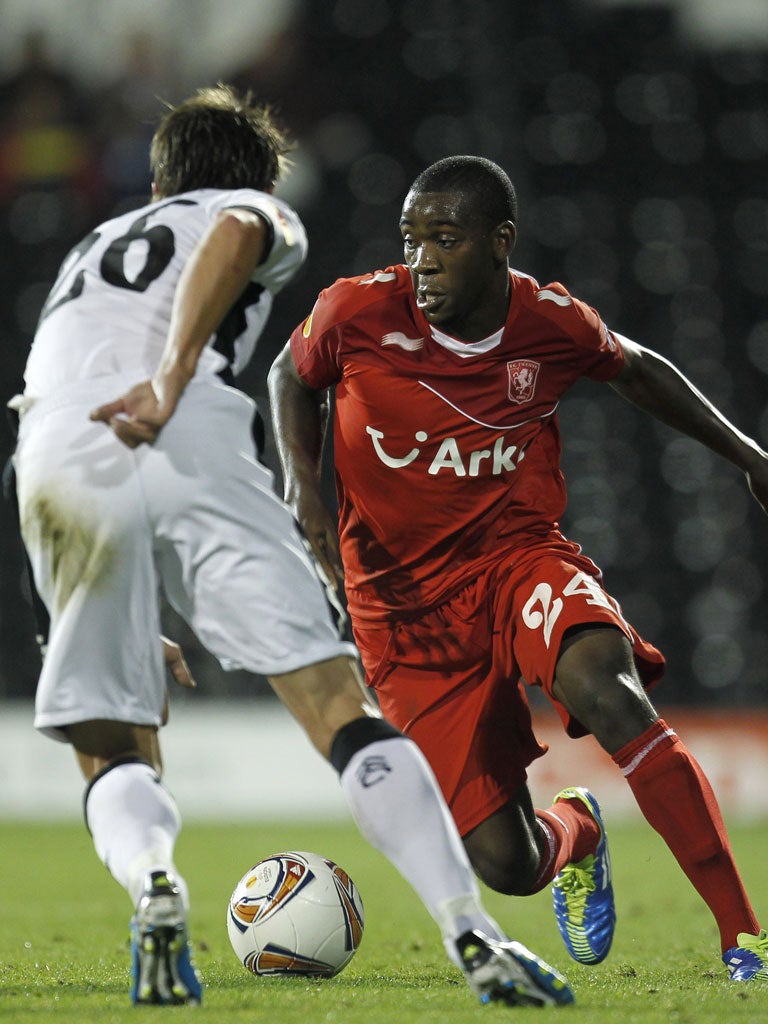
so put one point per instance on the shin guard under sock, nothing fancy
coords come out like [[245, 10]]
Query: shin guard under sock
[[677, 800], [134, 822], [398, 807]]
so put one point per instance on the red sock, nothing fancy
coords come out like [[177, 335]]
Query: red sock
[[570, 833], [677, 800]]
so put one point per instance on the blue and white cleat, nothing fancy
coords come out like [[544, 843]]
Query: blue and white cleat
[[749, 959], [162, 972], [582, 894], [507, 972]]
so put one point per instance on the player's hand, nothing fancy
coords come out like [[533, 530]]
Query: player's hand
[[138, 416], [176, 663], [322, 535]]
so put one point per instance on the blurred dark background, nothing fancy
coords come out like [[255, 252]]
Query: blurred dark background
[[637, 136]]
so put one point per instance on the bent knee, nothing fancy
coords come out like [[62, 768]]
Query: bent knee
[[509, 873]]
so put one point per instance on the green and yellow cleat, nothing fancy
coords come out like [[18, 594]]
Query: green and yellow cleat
[[582, 894], [749, 959]]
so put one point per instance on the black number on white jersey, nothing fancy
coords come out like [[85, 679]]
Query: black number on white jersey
[[73, 257], [160, 249]]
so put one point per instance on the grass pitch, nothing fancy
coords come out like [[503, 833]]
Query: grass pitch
[[64, 938]]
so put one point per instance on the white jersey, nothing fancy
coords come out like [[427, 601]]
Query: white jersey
[[110, 308], [193, 516]]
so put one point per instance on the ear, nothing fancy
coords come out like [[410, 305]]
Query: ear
[[504, 240]]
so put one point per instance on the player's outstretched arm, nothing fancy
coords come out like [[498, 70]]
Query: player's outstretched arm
[[216, 274], [300, 416], [655, 385]]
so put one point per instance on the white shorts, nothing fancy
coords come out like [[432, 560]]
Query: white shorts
[[195, 513]]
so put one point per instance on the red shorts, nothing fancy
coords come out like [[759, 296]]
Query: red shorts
[[454, 679]]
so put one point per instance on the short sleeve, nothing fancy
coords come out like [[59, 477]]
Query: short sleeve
[[287, 249], [598, 352], [316, 343]]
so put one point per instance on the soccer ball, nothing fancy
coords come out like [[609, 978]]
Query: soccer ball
[[295, 913]]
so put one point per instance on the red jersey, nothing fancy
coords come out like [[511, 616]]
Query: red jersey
[[447, 452]]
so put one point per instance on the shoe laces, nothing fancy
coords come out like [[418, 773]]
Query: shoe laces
[[577, 883], [757, 944]]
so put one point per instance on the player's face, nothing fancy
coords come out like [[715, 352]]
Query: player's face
[[458, 263]]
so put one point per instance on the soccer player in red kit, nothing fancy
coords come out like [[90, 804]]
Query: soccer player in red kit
[[461, 588]]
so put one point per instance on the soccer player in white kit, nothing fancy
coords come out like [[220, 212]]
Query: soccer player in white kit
[[137, 471]]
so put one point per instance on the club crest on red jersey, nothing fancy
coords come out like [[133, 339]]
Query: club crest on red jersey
[[521, 375]]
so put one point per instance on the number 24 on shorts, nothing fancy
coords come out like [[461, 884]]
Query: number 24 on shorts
[[542, 609]]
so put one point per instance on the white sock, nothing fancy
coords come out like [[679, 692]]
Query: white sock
[[398, 807], [134, 823]]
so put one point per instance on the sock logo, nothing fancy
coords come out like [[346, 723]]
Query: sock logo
[[373, 769]]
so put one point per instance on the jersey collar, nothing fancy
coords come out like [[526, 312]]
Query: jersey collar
[[466, 349]]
